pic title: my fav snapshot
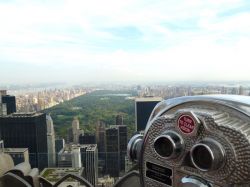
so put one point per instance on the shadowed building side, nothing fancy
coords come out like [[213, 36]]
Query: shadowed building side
[[27, 130]]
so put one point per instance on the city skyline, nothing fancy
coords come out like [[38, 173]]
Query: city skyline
[[44, 41], [102, 154]]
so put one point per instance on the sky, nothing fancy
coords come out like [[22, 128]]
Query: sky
[[117, 40]]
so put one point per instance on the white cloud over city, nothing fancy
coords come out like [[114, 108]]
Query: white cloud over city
[[133, 40]]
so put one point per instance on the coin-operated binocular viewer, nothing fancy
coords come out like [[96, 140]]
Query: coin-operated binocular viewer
[[199, 141]]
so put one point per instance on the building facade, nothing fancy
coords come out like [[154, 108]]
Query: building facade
[[3, 107], [101, 140], [59, 144], [10, 102], [143, 109], [89, 158], [123, 141], [74, 132], [51, 142], [18, 155], [87, 139], [1, 146], [70, 157], [27, 130], [119, 120], [113, 151]]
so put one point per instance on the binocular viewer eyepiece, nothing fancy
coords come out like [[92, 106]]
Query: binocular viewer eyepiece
[[207, 155], [169, 145], [195, 141]]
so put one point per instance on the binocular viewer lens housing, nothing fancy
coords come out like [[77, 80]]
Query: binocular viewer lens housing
[[208, 155], [169, 145], [195, 141]]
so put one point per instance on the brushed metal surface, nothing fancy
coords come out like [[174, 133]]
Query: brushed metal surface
[[225, 119]]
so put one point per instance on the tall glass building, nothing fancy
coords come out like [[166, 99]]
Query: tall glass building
[[27, 130], [143, 109]]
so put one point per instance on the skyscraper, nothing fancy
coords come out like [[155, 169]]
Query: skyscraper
[[74, 132], [113, 151], [143, 109], [89, 158], [119, 119], [69, 138], [10, 102], [3, 108], [75, 129], [27, 130], [123, 132], [51, 142], [101, 139], [87, 139]]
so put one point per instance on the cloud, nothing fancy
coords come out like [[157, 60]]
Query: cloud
[[126, 40]]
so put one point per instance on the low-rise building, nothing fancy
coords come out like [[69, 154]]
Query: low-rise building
[[55, 174], [106, 181], [18, 155], [69, 157]]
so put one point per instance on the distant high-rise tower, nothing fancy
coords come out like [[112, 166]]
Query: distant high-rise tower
[[3, 108], [123, 141], [51, 142], [3, 92], [10, 102], [119, 120], [101, 139], [27, 130], [143, 109], [75, 130], [241, 90], [113, 151], [69, 135]]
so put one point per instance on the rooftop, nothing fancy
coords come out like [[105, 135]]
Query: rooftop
[[89, 147], [23, 115], [15, 150], [69, 147], [54, 174], [144, 99]]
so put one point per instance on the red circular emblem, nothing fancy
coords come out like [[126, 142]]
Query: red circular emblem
[[186, 124]]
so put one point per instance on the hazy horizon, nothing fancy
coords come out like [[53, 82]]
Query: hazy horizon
[[124, 41]]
